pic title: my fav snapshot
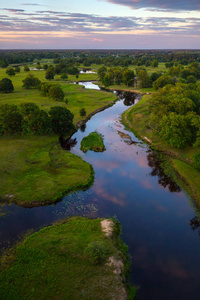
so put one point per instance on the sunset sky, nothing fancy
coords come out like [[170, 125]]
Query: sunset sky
[[100, 24]]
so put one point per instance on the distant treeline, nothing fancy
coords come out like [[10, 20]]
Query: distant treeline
[[122, 58]]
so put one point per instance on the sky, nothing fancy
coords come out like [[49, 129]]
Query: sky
[[100, 24]]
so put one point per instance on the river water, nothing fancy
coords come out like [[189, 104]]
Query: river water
[[158, 220]]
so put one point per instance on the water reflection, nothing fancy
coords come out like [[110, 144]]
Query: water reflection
[[128, 97], [163, 180], [195, 224]]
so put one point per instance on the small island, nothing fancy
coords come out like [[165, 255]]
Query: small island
[[93, 142], [77, 258]]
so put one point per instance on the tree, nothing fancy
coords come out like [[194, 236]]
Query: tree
[[49, 74], [31, 82], [144, 78], [82, 112], [35, 121], [17, 69], [56, 93], [128, 77], [26, 68], [10, 72], [6, 86], [101, 72], [10, 120], [64, 76], [154, 63], [175, 129], [162, 81], [61, 120], [45, 66]]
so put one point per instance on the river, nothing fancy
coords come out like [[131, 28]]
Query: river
[[158, 219]]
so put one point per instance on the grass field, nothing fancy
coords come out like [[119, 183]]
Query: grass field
[[58, 263], [26, 175]]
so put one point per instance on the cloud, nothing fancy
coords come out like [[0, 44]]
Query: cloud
[[31, 4], [160, 4], [12, 10]]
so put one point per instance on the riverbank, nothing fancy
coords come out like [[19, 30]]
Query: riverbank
[[78, 258], [136, 119], [37, 171], [34, 169]]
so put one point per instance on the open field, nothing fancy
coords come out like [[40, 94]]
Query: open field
[[27, 175], [61, 262]]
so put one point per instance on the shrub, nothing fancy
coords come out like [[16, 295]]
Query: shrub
[[96, 252], [82, 112], [196, 161]]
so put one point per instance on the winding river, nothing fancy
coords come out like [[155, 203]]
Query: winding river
[[158, 220]]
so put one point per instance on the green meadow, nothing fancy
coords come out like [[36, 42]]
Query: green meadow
[[28, 176], [65, 261]]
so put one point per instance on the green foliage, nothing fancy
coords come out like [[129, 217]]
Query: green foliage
[[143, 78], [96, 251], [93, 142], [128, 77], [49, 73], [45, 66], [175, 129], [56, 93], [17, 69], [162, 81], [82, 112], [154, 63], [10, 72], [26, 68], [10, 120], [6, 86], [64, 76], [31, 82], [61, 120], [102, 72], [35, 121], [196, 161]]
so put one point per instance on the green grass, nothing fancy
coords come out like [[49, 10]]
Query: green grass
[[93, 142], [78, 97], [26, 176], [137, 119], [54, 264], [36, 171]]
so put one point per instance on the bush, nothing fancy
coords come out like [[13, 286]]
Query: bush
[[96, 252], [31, 82], [196, 161], [6, 86], [82, 112], [26, 68]]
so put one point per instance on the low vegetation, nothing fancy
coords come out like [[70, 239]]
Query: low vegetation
[[139, 118], [93, 142], [68, 260], [36, 171]]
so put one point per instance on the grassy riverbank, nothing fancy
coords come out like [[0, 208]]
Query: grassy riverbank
[[93, 142], [30, 174], [68, 260], [136, 118], [37, 171]]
